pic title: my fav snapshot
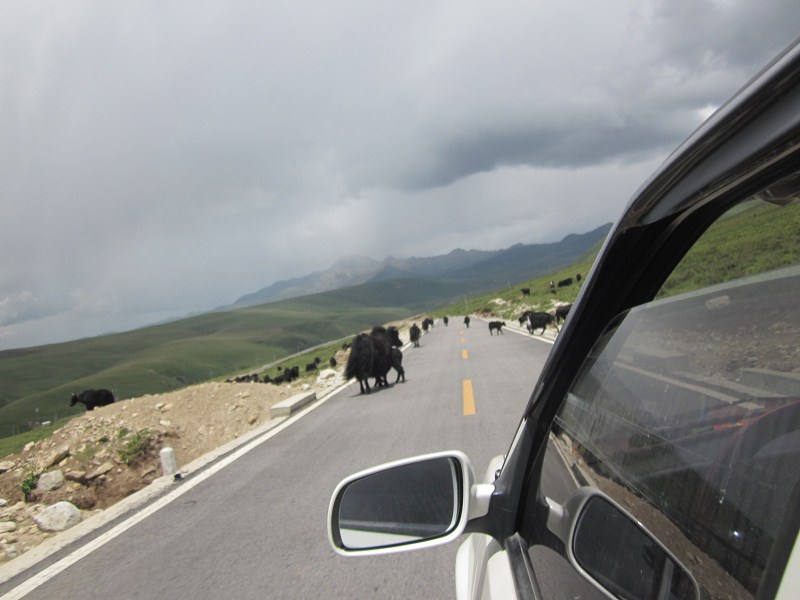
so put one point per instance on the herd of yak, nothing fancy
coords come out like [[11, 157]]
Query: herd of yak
[[372, 356]]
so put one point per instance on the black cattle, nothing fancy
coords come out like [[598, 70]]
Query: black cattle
[[578, 277], [414, 333], [427, 323], [446, 320], [287, 376], [311, 366], [372, 355], [565, 282], [93, 398], [332, 362], [496, 325], [392, 337], [364, 352], [537, 320], [526, 291], [466, 321], [562, 312]]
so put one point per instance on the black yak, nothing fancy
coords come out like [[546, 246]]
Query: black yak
[[93, 398], [466, 321], [496, 325], [537, 320], [562, 312], [414, 333], [372, 355]]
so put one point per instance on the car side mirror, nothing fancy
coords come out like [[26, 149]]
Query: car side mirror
[[404, 505], [615, 552]]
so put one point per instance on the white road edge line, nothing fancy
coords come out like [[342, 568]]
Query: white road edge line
[[43, 576]]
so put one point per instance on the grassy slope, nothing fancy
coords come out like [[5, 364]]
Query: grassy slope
[[173, 355]]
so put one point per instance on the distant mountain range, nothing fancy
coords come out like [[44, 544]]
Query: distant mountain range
[[464, 271]]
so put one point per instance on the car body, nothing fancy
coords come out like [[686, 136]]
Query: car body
[[670, 400]]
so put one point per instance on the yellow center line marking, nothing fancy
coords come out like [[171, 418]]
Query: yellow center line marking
[[469, 398], [464, 354]]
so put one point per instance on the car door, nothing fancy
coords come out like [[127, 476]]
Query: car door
[[674, 390]]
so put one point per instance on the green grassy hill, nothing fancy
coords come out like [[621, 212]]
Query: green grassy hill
[[38, 382]]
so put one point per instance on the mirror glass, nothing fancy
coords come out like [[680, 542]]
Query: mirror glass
[[624, 558], [408, 503]]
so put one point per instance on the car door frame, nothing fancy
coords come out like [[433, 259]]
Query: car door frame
[[752, 140]]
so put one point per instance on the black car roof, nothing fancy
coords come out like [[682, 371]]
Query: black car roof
[[741, 134]]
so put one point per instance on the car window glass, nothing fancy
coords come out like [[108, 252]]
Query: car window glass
[[687, 413]]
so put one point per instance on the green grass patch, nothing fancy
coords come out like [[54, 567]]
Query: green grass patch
[[754, 238], [14, 444], [135, 448]]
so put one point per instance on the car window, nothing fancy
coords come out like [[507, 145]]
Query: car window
[[687, 412]]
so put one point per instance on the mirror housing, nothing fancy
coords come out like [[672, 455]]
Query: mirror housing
[[405, 505], [614, 551]]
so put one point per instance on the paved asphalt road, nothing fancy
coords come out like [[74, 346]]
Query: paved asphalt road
[[257, 528]]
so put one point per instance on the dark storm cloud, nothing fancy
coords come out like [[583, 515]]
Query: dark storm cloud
[[158, 159]]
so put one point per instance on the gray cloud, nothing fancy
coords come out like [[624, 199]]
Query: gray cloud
[[157, 160]]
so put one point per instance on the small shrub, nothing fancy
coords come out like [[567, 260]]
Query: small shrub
[[29, 484], [135, 447]]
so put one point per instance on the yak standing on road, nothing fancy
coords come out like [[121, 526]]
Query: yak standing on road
[[496, 326], [414, 333], [372, 355], [93, 398], [538, 320]]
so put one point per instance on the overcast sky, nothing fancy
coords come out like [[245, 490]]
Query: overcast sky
[[160, 158]]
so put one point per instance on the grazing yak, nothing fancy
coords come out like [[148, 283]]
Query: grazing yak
[[496, 325], [287, 376], [414, 332], [526, 291], [372, 355], [565, 282], [93, 398]]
